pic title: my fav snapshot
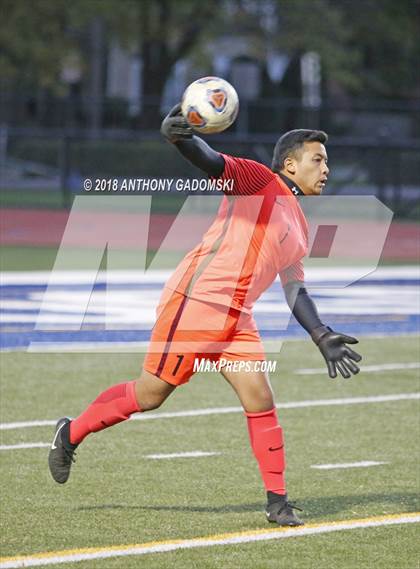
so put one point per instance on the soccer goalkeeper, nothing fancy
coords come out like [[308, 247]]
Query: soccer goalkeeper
[[206, 307]]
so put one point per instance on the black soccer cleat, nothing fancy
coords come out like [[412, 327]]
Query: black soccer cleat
[[62, 452], [281, 511]]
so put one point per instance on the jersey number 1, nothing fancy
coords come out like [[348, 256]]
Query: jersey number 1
[[178, 363]]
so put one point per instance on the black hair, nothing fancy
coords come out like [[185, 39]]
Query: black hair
[[292, 141]]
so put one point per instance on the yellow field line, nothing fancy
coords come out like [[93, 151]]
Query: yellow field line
[[71, 555]]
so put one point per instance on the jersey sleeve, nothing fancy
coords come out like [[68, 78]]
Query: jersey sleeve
[[247, 176], [292, 274]]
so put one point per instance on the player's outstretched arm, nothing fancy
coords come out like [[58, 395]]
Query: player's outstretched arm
[[332, 345], [177, 131]]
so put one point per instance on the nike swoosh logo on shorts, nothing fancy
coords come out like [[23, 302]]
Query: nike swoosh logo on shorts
[[53, 447], [286, 234]]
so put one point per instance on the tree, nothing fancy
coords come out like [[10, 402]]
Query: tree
[[167, 32], [33, 41], [319, 26], [366, 46], [386, 34]]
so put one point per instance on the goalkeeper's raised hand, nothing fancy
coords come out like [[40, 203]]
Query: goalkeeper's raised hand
[[338, 356], [174, 127]]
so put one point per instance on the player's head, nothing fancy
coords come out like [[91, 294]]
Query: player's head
[[301, 156]]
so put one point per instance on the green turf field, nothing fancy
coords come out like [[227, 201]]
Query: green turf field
[[117, 496]]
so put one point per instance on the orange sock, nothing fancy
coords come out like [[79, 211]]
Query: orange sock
[[114, 405], [267, 442]]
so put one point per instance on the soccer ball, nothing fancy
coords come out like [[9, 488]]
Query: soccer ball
[[210, 104]]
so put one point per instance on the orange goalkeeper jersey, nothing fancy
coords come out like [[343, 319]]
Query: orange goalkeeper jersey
[[259, 232]]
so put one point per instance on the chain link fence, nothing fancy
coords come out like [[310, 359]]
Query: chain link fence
[[47, 167]]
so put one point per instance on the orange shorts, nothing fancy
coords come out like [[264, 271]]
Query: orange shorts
[[188, 331]]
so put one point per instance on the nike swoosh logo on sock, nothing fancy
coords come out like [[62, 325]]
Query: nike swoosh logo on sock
[[275, 448], [53, 447]]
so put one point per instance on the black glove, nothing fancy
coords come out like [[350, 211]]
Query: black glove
[[174, 127], [332, 346]]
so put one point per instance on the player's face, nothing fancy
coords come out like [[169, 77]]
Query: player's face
[[311, 170]]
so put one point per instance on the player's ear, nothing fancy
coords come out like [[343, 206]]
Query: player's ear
[[289, 165]]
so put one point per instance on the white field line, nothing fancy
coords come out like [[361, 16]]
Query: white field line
[[41, 347], [361, 464], [191, 454], [89, 554], [271, 345], [66, 277], [224, 410], [26, 424], [24, 445], [364, 369]]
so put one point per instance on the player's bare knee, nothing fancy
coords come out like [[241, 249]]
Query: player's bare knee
[[262, 403], [149, 404], [151, 391], [148, 401], [259, 397]]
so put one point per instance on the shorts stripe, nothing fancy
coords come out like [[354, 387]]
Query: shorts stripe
[[213, 251], [171, 333], [254, 249]]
